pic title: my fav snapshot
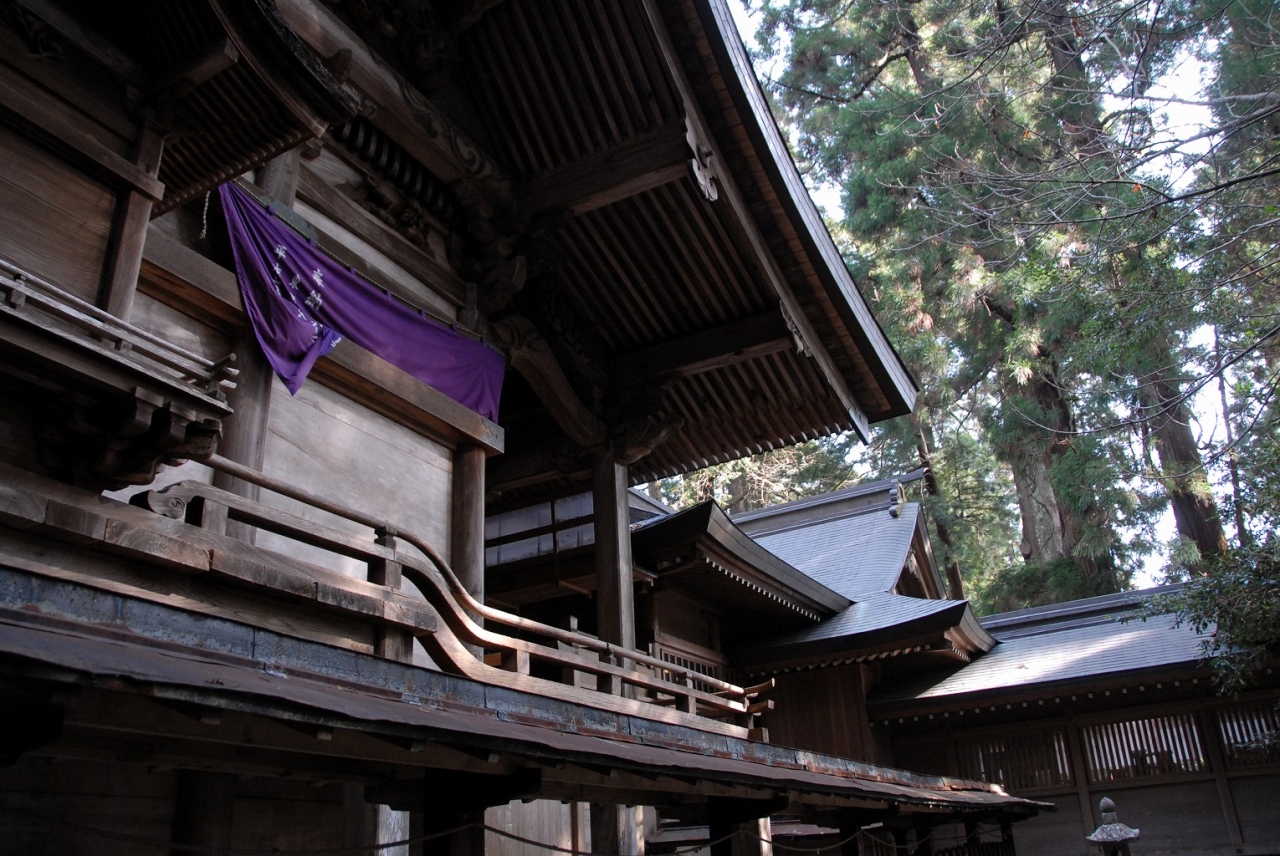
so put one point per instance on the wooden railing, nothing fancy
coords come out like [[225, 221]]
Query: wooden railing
[[656, 683], [59, 313]]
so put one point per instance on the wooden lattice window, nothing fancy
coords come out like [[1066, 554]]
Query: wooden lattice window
[[693, 658], [1137, 748], [1249, 734], [1035, 759]]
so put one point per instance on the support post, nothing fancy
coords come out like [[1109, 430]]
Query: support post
[[615, 606], [366, 825], [202, 811], [278, 177], [133, 215], [466, 533], [466, 548], [615, 831], [244, 432]]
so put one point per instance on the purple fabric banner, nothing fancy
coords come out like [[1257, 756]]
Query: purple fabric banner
[[301, 303]]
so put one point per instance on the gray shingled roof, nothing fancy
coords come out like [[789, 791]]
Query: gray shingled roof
[[1103, 647], [858, 555], [874, 612]]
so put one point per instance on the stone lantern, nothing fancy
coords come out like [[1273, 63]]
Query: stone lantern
[[1112, 837]]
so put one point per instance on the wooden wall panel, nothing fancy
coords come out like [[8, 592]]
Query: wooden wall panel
[[542, 820], [54, 220], [823, 710], [1257, 800], [1057, 833], [1171, 816], [324, 443], [121, 798], [178, 328]]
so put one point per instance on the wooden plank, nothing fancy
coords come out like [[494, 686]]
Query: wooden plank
[[612, 175], [55, 221], [704, 351], [54, 125], [330, 201]]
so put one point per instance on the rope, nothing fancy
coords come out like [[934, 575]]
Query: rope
[[204, 218], [126, 838]]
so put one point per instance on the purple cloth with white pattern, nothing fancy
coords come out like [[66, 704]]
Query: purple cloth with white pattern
[[301, 303]]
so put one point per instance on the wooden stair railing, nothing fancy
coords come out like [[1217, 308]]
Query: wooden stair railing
[[205, 505]]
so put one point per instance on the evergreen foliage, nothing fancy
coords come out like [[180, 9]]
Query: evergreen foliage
[[1068, 271]]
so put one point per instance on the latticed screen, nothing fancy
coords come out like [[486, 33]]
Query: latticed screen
[[1250, 734], [1157, 746], [684, 661], [1037, 759]]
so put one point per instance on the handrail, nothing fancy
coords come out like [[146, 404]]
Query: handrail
[[179, 501], [214, 376], [569, 637]]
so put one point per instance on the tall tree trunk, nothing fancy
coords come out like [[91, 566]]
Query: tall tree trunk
[[1038, 507], [924, 451], [1182, 470]]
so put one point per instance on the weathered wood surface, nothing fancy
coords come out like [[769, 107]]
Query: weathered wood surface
[[387, 241], [54, 220], [612, 175], [327, 444], [615, 601]]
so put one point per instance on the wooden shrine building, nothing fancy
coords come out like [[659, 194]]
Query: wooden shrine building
[[243, 501]]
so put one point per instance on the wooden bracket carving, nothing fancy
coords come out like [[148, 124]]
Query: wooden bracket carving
[[530, 354], [706, 169], [802, 347], [634, 439]]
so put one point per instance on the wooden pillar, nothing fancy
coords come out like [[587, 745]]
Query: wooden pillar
[[244, 432], [366, 825], [202, 810], [129, 234], [466, 547], [278, 177], [615, 831], [850, 837], [615, 607]]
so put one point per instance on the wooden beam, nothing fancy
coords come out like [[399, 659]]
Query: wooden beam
[[524, 469], [347, 212], [133, 215], [404, 113], [730, 343], [612, 175], [531, 355], [711, 157], [53, 124]]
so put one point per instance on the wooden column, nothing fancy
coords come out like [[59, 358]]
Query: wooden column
[[133, 215], [614, 831], [279, 177], [466, 547], [202, 810], [466, 531], [244, 432], [366, 825], [615, 607]]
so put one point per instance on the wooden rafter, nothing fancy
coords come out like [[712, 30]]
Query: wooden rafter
[[611, 175], [744, 222], [704, 351]]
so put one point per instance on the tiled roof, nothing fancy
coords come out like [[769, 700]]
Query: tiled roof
[[1098, 648], [858, 555]]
